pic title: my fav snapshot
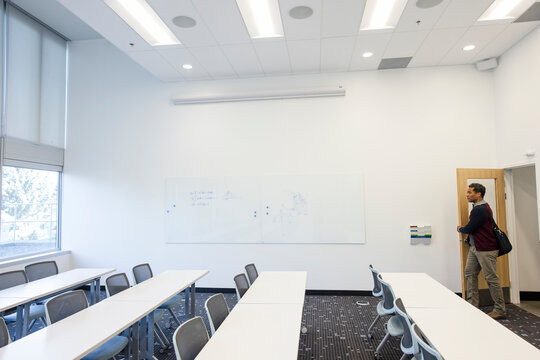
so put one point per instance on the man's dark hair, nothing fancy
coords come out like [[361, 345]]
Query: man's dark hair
[[478, 188]]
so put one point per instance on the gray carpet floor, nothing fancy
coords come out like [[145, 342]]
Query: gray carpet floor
[[337, 327]]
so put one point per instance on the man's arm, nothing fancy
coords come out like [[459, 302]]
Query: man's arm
[[478, 216]]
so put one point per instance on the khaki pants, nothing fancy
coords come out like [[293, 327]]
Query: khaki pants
[[486, 261]]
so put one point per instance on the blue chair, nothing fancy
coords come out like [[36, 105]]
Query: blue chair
[[377, 292], [393, 326], [143, 272], [119, 282], [427, 351], [18, 277], [408, 344], [190, 338], [66, 304]]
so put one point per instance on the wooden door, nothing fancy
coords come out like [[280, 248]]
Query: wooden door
[[493, 179]]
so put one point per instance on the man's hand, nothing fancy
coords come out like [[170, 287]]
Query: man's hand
[[458, 227]]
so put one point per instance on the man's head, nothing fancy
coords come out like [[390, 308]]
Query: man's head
[[475, 192]]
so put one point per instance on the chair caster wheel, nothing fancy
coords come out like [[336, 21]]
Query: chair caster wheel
[[378, 355], [169, 347], [370, 336], [161, 351], [168, 325]]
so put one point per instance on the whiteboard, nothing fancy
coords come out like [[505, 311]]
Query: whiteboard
[[292, 209]]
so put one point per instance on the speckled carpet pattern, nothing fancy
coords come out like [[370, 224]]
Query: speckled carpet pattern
[[337, 327]]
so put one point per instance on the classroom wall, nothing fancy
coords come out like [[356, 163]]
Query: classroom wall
[[527, 238], [406, 130]]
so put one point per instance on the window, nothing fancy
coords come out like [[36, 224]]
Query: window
[[29, 218]]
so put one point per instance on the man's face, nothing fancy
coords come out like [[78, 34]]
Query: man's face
[[473, 196]]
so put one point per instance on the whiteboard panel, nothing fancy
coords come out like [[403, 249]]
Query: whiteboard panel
[[265, 209]]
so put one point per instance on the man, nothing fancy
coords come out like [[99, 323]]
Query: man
[[483, 251]]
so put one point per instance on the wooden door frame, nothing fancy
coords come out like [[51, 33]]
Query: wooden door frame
[[463, 211]]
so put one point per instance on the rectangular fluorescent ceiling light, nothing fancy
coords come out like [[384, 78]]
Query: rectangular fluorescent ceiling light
[[382, 14], [144, 20], [262, 18], [505, 9]]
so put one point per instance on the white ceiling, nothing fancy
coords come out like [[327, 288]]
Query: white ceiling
[[219, 45]]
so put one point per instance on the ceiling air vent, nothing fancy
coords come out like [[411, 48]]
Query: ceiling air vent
[[394, 63]]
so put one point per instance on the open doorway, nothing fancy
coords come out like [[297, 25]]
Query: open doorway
[[526, 257]]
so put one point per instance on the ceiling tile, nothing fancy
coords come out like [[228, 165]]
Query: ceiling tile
[[243, 59], [295, 29], [427, 17], [462, 13], [405, 44], [154, 63], [436, 46], [336, 53], [178, 57], [508, 37], [375, 44], [273, 56], [224, 20], [342, 18], [305, 55], [479, 36], [213, 61], [199, 35]]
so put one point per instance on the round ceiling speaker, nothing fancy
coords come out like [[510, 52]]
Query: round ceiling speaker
[[184, 22], [426, 4], [300, 12]]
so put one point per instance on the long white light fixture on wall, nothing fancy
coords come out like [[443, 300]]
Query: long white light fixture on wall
[[505, 10], [261, 95], [382, 14], [262, 18], [144, 20]]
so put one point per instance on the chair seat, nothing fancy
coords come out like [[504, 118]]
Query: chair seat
[[109, 349], [395, 326], [36, 311], [171, 302]]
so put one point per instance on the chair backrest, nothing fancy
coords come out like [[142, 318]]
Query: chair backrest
[[41, 270], [12, 278], [64, 305], [377, 289], [217, 311], [4, 333], [242, 285], [190, 338], [427, 351], [388, 296], [116, 283], [252, 273], [407, 340], [142, 272]]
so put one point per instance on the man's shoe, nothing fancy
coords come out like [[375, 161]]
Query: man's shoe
[[497, 315]]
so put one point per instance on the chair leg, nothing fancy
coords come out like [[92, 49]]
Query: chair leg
[[174, 316], [32, 323], [163, 336], [378, 351], [369, 334], [403, 357]]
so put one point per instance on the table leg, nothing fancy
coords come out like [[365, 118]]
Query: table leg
[[98, 290], [92, 292], [135, 340], [150, 335], [186, 300], [26, 311], [192, 313], [142, 338], [19, 322]]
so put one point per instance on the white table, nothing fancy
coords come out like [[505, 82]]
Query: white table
[[78, 334], [257, 331], [23, 295], [468, 333], [277, 287]]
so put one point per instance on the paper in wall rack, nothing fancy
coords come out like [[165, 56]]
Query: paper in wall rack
[[420, 234]]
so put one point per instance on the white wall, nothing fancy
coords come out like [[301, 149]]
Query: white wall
[[528, 244], [406, 130]]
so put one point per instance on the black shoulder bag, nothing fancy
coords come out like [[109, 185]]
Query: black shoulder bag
[[502, 240]]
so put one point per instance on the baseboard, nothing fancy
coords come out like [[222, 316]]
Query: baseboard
[[529, 295]]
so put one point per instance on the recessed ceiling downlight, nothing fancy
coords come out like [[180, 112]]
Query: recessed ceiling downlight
[[184, 22], [426, 4], [469, 47], [300, 12], [367, 54], [187, 66]]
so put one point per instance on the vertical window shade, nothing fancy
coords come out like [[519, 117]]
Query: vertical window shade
[[36, 82]]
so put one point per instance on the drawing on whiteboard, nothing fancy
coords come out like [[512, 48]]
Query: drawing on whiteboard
[[229, 195], [201, 198]]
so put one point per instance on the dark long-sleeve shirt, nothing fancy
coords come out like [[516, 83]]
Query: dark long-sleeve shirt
[[480, 226]]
